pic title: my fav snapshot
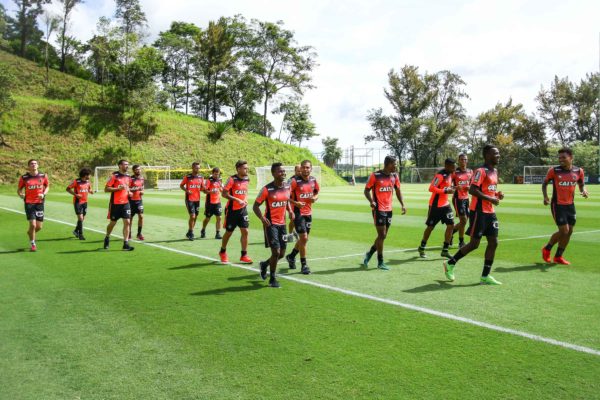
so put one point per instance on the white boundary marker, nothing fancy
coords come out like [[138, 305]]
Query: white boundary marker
[[537, 338]]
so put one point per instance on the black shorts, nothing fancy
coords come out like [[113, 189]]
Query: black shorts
[[482, 224], [34, 211], [118, 211], [213, 209], [193, 207], [382, 218], [302, 222], [564, 214], [437, 214], [461, 206], [80, 208], [274, 236], [236, 219], [137, 207]]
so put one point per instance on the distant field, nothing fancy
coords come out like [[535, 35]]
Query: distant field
[[167, 321]]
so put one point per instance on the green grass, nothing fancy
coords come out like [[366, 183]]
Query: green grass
[[80, 322]]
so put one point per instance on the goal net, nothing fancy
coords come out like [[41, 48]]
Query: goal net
[[423, 175], [535, 173], [263, 174], [155, 176]]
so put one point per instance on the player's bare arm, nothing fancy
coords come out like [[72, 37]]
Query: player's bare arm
[[368, 196], [72, 192], [545, 193], [401, 200], [583, 191], [474, 190], [259, 214]]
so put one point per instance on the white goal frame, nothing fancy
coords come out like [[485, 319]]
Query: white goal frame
[[537, 178], [163, 184], [263, 174], [423, 174]]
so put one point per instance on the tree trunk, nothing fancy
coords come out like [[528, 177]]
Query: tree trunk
[[63, 41], [265, 115]]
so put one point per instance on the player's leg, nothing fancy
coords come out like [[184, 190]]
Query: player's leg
[[490, 254], [244, 243], [218, 227], [140, 226], [425, 238], [223, 251], [109, 229], [205, 222], [291, 226], [302, 242], [377, 221], [126, 232], [447, 240], [565, 232], [300, 226], [381, 235]]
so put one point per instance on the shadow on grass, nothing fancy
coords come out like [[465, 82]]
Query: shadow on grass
[[404, 261], [168, 241], [542, 267], [13, 251], [194, 265], [56, 239], [440, 285], [243, 277], [80, 251], [252, 285], [358, 268]]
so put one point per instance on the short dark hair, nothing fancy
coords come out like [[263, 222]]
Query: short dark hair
[[122, 161], [462, 155], [216, 169], [275, 166], [389, 160], [304, 162], [487, 148], [135, 166], [33, 159], [240, 163], [195, 163], [85, 172], [566, 150], [449, 161]]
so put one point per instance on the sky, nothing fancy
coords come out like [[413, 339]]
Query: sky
[[501, 49]]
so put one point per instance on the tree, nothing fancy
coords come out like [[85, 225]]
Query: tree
[[555, 109], [586, 108], [25, 23], [332, 153], [132, 19], [276, 62], [67, 8], [241, 93], [3, 27], [7, 103], [50, 22], [296, 121]]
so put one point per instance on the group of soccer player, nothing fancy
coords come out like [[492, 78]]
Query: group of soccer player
[[294, 197]]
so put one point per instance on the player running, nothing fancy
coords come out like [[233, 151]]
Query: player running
[[212, 188], [136, 191], [482, 218], [236, 214], [192, 184], [461, 180], [379, 192], [564, 178], [80, 189], [118, 186], [277, 197], [297, 174], [304, 188], [33, 188], [439, 207]]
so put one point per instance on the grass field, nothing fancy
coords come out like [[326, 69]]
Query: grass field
[[166, 321]]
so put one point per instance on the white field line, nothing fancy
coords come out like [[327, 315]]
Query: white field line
[[412, 307]]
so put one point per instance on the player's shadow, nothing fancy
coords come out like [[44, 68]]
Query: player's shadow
[[252, 285], [403, 261], [13, 251], [57, 239], [542, 267], [358, 268], [169, 241], [192, 266], [80, 251], [440, 285], [243, 277]]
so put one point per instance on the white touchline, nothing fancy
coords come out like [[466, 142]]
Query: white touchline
[[412, 307]]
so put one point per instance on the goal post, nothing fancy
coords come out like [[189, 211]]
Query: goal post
[[155, 176], [423, 175], [535, 173], [263, 174]]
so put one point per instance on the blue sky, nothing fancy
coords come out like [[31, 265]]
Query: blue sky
[[501, 49]]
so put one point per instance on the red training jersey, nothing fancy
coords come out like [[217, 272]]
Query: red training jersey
[[214, 187], [34, 186], [382, 188], [564, 182], [194, 184], [120, 196], [277, 201], [236, 187], [81, 187], [304, 190], [486, 179], [439, 197], [137, 186], [462, 181]]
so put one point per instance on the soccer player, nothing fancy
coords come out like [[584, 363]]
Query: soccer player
[[236, 214], [297, 174], [379, 192], [192, 184], [482, 218], [118, 186], [212, 188], [33, 188], [80, 188], [461, 180], [564, 178], [304, 188], [277, 197], [136, 191], [439, 207]]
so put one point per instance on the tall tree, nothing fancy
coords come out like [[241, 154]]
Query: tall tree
[[25, 23], [241, 93], [51, 23], [3, 23], [555, 109], [67, 8], [7, 103], [296, 121], [332, 152], [586, 108], [132, 20], [277, 62]]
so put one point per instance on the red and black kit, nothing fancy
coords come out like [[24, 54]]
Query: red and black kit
[[276, 199]]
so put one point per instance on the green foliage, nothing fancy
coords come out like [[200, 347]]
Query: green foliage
[[23, 28], [296, 121], [218, 130], [332, 153], [7, 103], [585, 155], [67, 43]]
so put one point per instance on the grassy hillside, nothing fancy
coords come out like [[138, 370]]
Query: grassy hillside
[[66, 129]]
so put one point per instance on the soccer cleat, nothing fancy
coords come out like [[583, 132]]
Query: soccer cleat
[[461, 244], [245, 260], [106, 242], [274, 283], [127, 247], [218, 236], [305, 270], [422, 252], [449, 271], [489, 280], [445, 253], [291, 261], [546, 254], [190, 235], [382, 266], [263, 269], [202, 234], [140, 236], [367, 259], [224, 258], [76, 233], [33, 247], [561, 260], [81, 237]]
